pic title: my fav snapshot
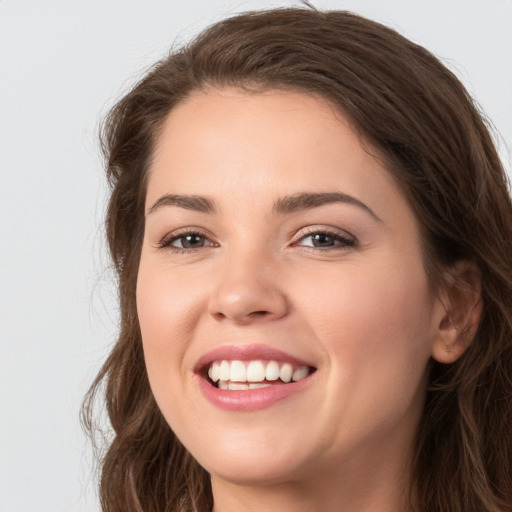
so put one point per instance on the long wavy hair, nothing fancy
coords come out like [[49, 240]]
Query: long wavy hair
[[433, 140]]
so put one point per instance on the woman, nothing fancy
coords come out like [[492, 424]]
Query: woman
[[312, 232]]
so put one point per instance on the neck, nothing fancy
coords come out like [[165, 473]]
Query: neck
[[366, 489]]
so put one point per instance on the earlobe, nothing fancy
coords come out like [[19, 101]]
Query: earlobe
[[461, 301]]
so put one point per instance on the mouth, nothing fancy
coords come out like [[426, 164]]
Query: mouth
[[247, 378], [242, 375]]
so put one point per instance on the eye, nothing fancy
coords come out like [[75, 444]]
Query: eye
[[186, 241], [321, 239], [189, 241]]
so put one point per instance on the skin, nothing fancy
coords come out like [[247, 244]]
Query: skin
[[360, 312]]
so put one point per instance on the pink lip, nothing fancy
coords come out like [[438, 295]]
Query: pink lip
[[252, 399], [247, 353]]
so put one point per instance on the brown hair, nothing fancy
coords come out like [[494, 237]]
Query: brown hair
[[421, 120]]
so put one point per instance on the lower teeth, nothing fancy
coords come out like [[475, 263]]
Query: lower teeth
[[241, 386]]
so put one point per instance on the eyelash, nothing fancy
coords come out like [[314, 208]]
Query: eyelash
[[344, 241], [167, 241]]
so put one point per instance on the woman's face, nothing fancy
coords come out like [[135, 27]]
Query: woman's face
[[277, 248]]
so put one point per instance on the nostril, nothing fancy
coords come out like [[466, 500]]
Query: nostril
[[241, 303], [247, 318]]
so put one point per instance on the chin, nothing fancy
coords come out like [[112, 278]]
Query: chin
[[257, 462], [255, 472]]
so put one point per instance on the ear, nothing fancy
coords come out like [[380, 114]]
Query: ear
[[461, 300]]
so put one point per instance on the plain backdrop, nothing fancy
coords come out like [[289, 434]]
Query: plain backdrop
[[62, 64]]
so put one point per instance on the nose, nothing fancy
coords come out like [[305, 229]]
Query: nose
[[249, 290]]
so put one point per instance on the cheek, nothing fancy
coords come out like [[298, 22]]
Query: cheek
[[167, 313], [374, 332], [374, 316]]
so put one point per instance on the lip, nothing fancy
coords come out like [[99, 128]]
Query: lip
[[251, 399], [247, 353]]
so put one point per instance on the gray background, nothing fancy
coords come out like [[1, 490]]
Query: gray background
[[62, 64]]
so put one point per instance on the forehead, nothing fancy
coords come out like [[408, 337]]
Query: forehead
[[239, 123], [252, 146]]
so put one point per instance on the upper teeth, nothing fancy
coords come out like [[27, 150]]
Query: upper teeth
[[255, 371]]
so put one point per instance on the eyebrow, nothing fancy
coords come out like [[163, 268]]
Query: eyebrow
[[195, 203], [283, 206], [305, 201]]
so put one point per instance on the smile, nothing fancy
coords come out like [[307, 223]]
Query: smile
[[251, 377], [243, 375]]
